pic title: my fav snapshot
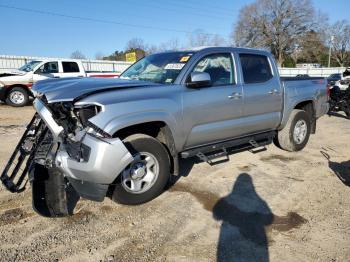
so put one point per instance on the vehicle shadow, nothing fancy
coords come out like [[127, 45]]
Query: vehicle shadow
[[29, 104], [245, 216], [341, 170], [185, 167]]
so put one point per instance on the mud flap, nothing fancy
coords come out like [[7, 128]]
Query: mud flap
[[52, 195]]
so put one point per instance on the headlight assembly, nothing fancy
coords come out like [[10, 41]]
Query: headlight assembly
[[86, 112]]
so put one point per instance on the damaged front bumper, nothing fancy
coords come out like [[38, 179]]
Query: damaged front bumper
[[101, 161]]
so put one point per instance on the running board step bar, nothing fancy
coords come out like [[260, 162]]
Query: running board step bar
[[219, 157], [255, 143]]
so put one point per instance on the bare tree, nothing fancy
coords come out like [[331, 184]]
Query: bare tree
[[311, 48], [99, 56], [135, 43], [340, 32], [201, 38], [151, 49], [218, 40], [277, 25], [198, 38], [172, 44], [77, 54]]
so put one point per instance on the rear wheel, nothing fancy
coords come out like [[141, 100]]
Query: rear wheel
[[17, 96], [144, 178], [295, 135]]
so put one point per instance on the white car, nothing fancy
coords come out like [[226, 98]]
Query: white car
[[344, 82], [15, 86]]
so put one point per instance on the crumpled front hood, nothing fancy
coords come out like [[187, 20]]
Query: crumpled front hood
[[69, 89]]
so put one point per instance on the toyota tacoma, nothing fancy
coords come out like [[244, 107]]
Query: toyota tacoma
[[123, 138]]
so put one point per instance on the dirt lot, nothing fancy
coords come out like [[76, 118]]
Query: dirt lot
[[273, 205]]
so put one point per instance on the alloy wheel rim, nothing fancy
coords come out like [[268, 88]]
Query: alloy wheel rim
[[300, 131], [141, 174], [16, 97]]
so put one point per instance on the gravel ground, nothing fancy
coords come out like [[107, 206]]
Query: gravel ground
[[273, 205]]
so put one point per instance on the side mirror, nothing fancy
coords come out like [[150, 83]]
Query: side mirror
[[199, 79]]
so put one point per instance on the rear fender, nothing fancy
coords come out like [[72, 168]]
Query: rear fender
[[289, 106]]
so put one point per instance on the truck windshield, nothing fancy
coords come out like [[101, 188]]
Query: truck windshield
[[160, 68], [29, 66]]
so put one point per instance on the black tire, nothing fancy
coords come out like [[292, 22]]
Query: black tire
[[51, 195], [285, 138], [143, 143], [11, 101]]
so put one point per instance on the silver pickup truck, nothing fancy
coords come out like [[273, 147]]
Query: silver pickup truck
[[123, 138]]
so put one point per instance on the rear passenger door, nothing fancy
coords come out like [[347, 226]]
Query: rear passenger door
[[71, 69], [262, 107]]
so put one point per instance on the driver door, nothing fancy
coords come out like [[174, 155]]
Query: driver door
[[212, 113], [47, 70]]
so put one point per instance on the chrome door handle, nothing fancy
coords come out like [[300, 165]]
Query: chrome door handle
[[235, 96]]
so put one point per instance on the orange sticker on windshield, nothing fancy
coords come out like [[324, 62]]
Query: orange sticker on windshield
[[184, 58]]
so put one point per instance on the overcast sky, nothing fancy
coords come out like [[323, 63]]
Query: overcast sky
[[57, 28]]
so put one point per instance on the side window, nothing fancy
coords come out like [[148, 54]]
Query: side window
[[70, 67], [219, 67], [49, 68], [255, 68]]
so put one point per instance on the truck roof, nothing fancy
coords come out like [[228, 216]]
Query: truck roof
[[221, 49], [58, 60]]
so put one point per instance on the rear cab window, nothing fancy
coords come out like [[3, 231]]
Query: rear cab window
[[255, 68], [70, 67]]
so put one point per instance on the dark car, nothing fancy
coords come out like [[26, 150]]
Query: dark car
[[333, 78]]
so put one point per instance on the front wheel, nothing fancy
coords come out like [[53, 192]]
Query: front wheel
[[144, 178], [17, 97], [295, 135]]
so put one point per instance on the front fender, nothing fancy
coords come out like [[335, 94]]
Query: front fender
[[121, 115]]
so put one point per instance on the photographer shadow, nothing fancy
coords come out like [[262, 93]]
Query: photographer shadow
[[245, 216]]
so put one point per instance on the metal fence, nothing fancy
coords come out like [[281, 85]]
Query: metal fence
[[15, 62], [324, 71]]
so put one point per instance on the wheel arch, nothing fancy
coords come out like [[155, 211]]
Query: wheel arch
[[309, 107], [10, 87], [159, 130]]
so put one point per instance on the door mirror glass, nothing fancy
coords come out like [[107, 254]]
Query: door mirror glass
[[199, 79]]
